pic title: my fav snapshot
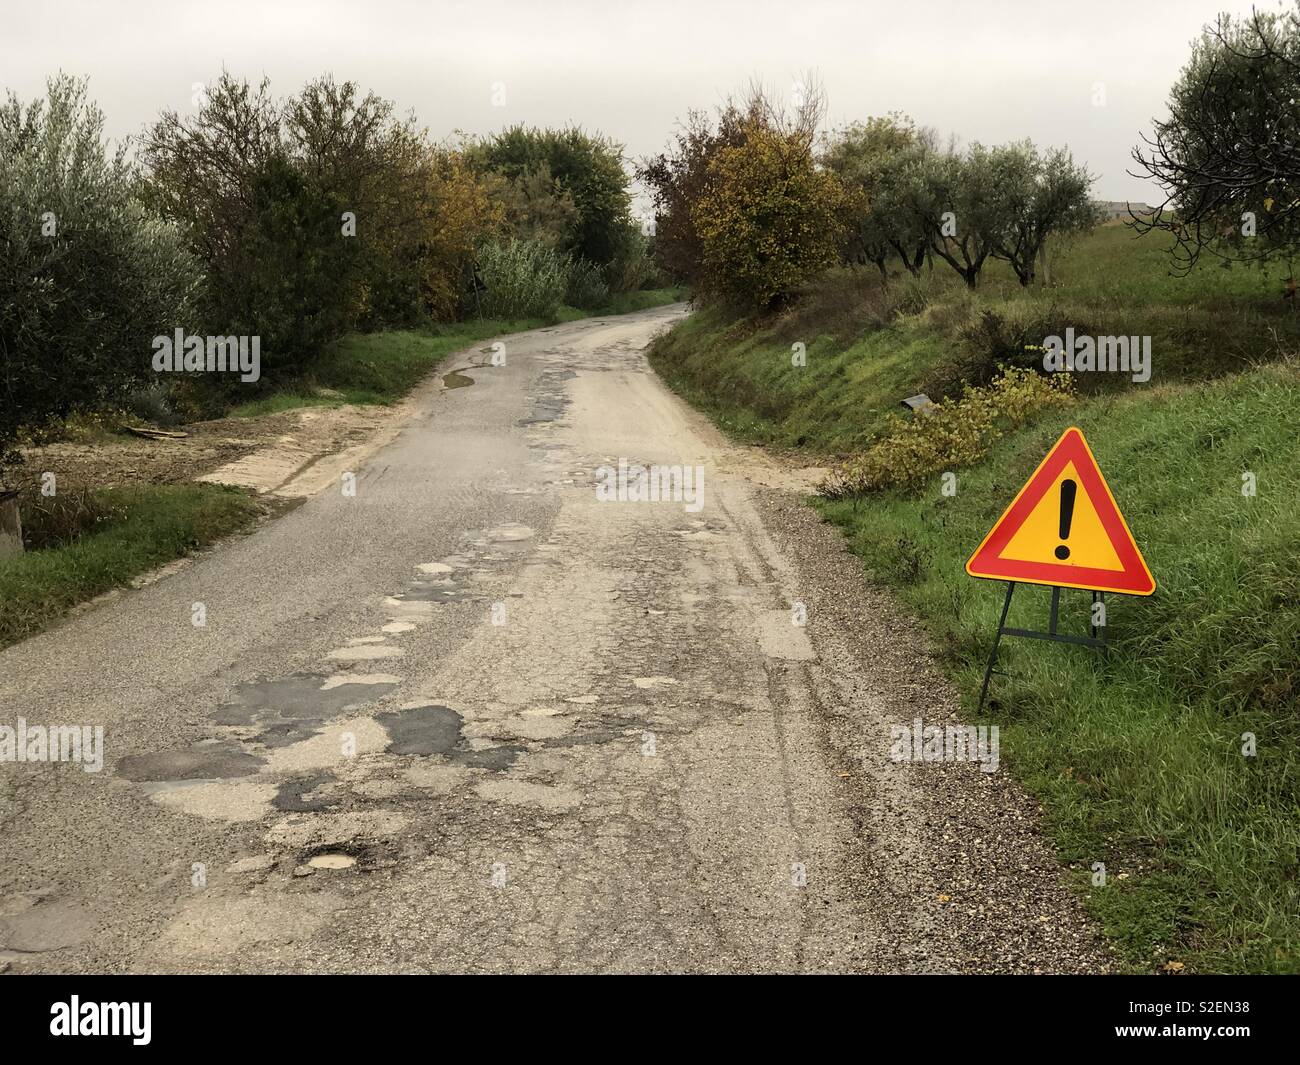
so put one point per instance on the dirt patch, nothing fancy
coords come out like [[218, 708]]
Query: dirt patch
[[262, 453]]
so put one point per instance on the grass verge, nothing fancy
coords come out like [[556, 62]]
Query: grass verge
[[141, 527], [1139, 763]]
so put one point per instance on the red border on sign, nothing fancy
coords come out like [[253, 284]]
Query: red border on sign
[[1134, 579]]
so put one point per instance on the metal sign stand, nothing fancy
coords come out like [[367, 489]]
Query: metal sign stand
[[1092, 640]]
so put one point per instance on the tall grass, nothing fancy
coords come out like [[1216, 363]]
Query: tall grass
[[522, 279]]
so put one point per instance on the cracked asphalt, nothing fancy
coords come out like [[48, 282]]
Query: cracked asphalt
[[473, 718]]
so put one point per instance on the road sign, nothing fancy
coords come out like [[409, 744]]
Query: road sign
[[1064, 529]]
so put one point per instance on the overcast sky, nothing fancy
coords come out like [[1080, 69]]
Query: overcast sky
[[986, 70]]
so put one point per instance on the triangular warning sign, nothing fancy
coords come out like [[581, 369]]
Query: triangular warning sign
[[1063, 528]]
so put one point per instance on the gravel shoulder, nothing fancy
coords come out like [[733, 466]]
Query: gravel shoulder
[[958, 871]]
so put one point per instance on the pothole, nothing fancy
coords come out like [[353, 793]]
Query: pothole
[[309, 696], [210, 761], [332, 860], [433, 592], [292, 795], [508, 532], [422, 730]]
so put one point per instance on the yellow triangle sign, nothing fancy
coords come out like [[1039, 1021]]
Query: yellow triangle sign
[[1065, 529]]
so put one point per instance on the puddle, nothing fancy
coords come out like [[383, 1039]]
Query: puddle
[[456, 379], [216, 761], [422, 730]]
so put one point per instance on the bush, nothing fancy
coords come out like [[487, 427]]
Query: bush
[[632, 268], [459, 211], [58, 520], [583, 171], [312, 215], [587, 287], [994, 339], [769, 220], [521, 279], [956, 432], [155, 402], [87, 275]]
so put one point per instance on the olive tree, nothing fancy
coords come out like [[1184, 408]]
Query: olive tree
[[1035, 195], [1228, 155], [88, 275]]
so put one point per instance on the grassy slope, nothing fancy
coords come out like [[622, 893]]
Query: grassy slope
[[383, 367], [149, 526], [1138, 763]]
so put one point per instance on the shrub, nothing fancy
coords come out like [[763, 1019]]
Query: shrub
[[769, 219], [58, 520], [587, 287], [587, 171], [956, 432], [154, 402], [458, 212], [631, 269], [307, 213], [521, 279], [989, 341], [88, 276]]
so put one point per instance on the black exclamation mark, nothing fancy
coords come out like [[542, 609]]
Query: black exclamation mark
[[1068, 489]]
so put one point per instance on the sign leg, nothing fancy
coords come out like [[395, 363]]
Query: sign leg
[[993, 655]]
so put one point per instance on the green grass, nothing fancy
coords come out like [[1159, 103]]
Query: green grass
[[383, 367], [147, 527], [1137, 762]]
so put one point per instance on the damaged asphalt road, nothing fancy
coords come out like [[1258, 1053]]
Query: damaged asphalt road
[[473, 718]]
